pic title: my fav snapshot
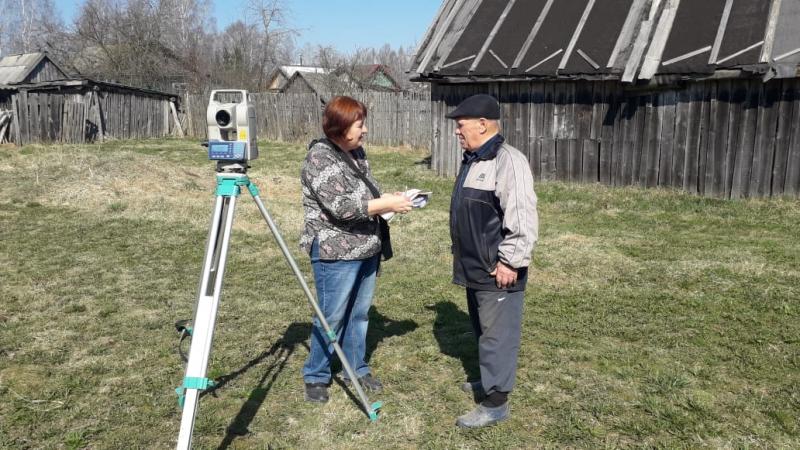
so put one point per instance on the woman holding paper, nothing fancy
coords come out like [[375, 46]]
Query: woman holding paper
[[342, 236]]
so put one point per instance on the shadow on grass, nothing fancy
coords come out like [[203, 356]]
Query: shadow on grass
[[280, 352], [380, 328], [296, 334], [453, 333]]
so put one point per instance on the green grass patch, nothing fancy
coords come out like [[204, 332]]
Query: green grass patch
[[653, 318]]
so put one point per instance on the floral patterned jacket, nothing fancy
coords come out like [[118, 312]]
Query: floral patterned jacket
[[335, 204]]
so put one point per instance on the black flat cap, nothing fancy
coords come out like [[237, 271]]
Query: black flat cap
[[480, 105]]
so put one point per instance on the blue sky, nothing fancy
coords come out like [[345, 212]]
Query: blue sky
[[344, 24]]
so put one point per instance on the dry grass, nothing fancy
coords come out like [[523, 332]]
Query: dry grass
[[653, 318]]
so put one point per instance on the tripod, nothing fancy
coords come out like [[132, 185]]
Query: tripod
[[230, 180]]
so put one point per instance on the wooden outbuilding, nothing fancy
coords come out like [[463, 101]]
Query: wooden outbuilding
[[324, 85], [22, 68], [280, 76], [697, 95], [40, 103], [82, 110]]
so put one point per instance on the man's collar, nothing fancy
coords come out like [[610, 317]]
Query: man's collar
[[486, 151]]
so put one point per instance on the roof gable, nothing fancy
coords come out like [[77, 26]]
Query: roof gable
[[375, 76], [323, 84], [15, 69]]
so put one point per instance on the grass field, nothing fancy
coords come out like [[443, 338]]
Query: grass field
[[653, 318]]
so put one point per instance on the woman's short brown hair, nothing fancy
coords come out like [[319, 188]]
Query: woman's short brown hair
[[340, 113]]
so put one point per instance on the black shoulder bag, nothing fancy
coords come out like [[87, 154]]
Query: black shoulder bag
[[386, 239]]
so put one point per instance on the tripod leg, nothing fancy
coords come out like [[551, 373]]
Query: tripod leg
[[371, 409], [205, 314]]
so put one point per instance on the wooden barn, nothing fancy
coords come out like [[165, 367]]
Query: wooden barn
[[40, 103], [18, 69], [697, 95]]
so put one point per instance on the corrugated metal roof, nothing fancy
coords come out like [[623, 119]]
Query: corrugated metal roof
[[15, 68], [617, 39]]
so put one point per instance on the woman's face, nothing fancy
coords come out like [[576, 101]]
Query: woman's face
[[354, 138]]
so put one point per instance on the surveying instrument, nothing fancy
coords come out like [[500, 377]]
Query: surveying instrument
[[232, 143]]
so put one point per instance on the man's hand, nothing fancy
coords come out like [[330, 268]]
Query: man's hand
[[504, 276]]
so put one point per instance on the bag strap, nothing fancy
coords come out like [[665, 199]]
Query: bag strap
[[376, 193]]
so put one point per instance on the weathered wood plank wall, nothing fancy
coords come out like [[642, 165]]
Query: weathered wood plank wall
[[392, 119], [78, 116], [726, 139], [47, 71]]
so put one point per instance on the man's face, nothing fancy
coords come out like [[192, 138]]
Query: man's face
[[471, 132]]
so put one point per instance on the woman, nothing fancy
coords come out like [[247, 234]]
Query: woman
[[341, 235]]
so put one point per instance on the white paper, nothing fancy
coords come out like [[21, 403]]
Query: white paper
[[418, 198]]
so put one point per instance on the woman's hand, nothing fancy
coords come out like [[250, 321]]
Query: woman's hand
[[389, 203], [398, 203]]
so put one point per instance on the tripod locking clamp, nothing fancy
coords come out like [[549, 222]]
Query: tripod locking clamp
[[193, 383]]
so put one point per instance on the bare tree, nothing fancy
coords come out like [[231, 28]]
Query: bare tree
[[97, 28], [5, 24], [183, 38], [234, 56], [143, 42], [276, 38], [26, 25], [154, 43], [359, 66], [328, 58]]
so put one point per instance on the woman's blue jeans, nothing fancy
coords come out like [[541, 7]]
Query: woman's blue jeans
[[344, 294]]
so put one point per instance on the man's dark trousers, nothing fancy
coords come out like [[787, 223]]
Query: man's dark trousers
[[496, 320]]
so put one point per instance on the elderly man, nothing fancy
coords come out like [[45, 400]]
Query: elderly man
[[494, 228]]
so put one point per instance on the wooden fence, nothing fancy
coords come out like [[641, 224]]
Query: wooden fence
[[729, 139], [392, 119]]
